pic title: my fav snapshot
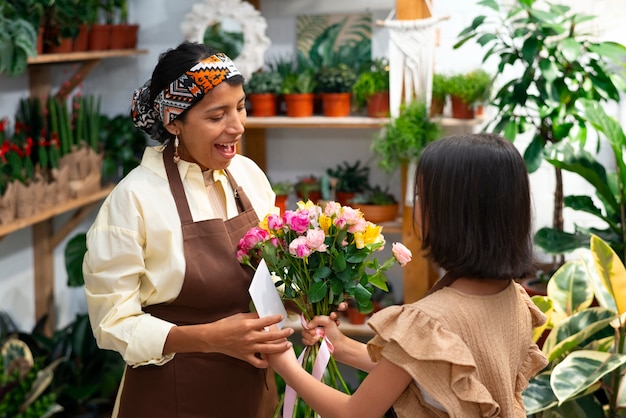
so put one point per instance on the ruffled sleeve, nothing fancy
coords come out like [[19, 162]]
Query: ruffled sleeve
[[535, 360], [440, 363]]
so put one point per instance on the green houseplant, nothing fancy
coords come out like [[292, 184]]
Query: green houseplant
[[335, 85], [403, 138], [465, 90], [554, 65], [439, 94], [371, 89], [376, 204], [18, 41], [262, 89], [298, 87], [350, 180], [586, 340], [282, 189], [308, 188]]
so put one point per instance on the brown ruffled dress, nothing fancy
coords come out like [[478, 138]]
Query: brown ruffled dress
[[469, 355]]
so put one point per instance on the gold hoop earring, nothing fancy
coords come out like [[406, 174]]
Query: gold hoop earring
[[176, 156]]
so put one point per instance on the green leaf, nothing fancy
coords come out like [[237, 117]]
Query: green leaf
[[609, 50], [554, 241], [533, 154], [601, 293], [571, 49], [568, 288], [611, 271], [74, 253], [582, 370], [317, 292], [538, 396], [577, 331]]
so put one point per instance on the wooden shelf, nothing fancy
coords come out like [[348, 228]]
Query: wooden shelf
[[84, 56], [21, 223], [359, 122], [314, 122]]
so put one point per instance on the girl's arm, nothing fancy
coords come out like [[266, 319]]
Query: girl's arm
[[346, 350], [376, 394]]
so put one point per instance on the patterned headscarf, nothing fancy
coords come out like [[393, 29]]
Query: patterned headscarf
[[183, 92]]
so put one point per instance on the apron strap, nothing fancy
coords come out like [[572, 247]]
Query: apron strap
[[446, 280], [176, 185], [243, 203]]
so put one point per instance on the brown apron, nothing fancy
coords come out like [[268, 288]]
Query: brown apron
[[215, 286]]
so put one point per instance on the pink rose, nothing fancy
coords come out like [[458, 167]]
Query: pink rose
[[315, 240], [332, 209], [253, 237], [274, 222], [298, 222], [401, 253], [298, 248], [351, 215], [359, 226]]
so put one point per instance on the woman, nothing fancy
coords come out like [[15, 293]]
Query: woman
[[163, 286], [464, 350]]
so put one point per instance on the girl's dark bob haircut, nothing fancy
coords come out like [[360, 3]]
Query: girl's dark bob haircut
[[474, 195]]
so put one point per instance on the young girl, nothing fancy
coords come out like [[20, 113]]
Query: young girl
[[465, 350]]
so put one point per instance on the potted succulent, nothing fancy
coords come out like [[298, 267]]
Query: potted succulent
[[466, 90], [371, 89], [404, 137], [298, 91], [335, 85], [350, 180], [261, 90]]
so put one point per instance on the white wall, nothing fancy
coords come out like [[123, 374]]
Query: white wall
[[291, 153]]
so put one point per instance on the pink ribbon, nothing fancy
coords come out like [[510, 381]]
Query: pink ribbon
[[321, 361]]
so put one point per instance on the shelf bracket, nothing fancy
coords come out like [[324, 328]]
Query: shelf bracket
[[77, 78]]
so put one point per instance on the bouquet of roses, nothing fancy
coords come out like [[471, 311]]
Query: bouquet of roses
[[321, 257]]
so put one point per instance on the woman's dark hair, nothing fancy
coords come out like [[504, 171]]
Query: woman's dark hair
[[474, 195], [172, 64]]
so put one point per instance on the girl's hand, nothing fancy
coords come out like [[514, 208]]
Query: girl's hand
[[310, 336]]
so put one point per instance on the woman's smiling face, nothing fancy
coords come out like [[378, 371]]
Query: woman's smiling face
[[212, 128]]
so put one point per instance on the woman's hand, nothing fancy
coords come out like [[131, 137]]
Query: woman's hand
[[243, 336]]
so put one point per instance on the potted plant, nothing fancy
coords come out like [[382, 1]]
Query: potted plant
[[371, 89], [376, 204], [282, 189], [350, 180], [261, 90], [465, 90], [33, 11], [335, 85], [586, 307], [403, 138], [62, 26], [557, 63], [308, 188], [439, 95], [122, 145], [18, 41]]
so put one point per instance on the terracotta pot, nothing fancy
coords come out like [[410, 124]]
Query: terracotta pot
[[379, 213], [281, 202], [299, 105], [378, 105], [40, 38], [313, 196], [344, 197], [263, 104], [436, 107], [65, 47], [356, 317], [131, 36], [118, 36], [460, 109], [99, 37], [336, 104], [81, 42]]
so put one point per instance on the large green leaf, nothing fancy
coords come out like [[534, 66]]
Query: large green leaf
[[578, 331], [611, 270], [74, 253], [568, 288], [601, 293], [538, 396], [555, 241], [581, 371]]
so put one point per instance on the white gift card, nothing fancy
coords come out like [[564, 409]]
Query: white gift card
[[264, 294]]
